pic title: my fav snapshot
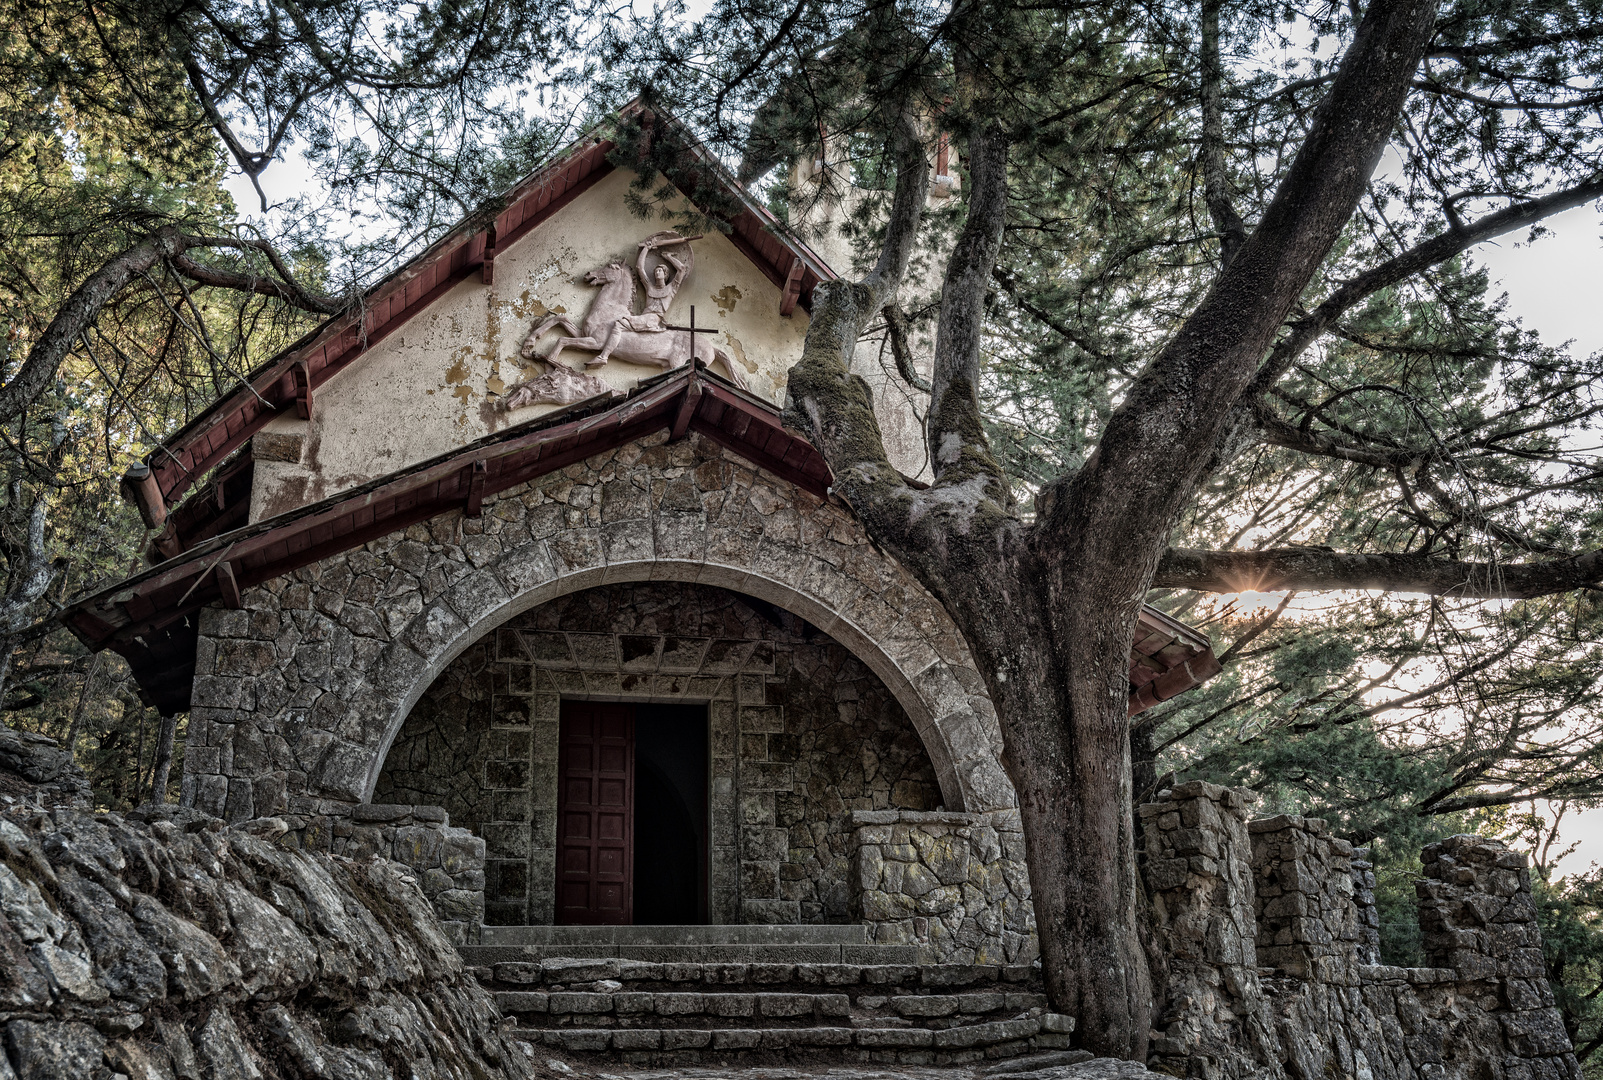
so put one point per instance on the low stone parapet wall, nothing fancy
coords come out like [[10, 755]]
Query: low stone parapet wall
[[449, 862], [1268, 927], [954, 884], [1303, 881]]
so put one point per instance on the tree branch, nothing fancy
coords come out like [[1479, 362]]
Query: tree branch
[[79, 312], [251, 164], [896, 331], [822, 397], [1315, 569], [907, 208], [1438, 249], [1108, 522], [76, 314], [1216, 185], [957, 430], [287, 290]]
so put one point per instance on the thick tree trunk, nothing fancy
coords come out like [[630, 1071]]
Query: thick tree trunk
[[1049, 610], [162, 764]]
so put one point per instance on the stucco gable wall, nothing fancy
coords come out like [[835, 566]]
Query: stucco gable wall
[[430, 387]]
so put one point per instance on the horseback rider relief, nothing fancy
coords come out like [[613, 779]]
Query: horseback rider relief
[[661, 286], [615, 331]]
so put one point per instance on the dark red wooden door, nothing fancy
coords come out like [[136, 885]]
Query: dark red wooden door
[[595, 814]]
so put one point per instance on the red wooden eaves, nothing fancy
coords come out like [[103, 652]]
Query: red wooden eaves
[[150, 619]]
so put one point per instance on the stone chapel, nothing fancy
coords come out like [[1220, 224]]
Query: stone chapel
[[512, 574], [599, 607]]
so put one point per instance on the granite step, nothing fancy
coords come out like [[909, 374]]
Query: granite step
[[737, 953], [966, 1044], [738, 1007], [522, 972], [682, 1013]]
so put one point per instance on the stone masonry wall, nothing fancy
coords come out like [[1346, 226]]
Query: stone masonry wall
[[449, 862], [1478, 919], [801, 734], [1267, 926], [301, 691], [1303, 878], [954, 884]]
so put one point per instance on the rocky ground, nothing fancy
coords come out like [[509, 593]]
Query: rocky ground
[[163, 944]]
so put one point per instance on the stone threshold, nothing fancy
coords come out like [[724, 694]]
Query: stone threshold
[[738, 934]]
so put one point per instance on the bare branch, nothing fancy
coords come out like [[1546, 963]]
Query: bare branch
[[957, 431], [896, 330], [1216, 184], [1314, 569], [1438, 249]]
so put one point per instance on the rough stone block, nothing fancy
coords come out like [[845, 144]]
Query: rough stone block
[[736, 1039], [819, 1036], [636, 1039], [580, 1003], [581, 1040], [997, 1031], [562, 970], [521, 1001], [785, 1005], [924, 1005], [677, 1004], [894, 1038], [729, 1004]]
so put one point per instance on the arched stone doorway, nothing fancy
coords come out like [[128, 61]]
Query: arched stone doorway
[[796, 734], [301, 694]]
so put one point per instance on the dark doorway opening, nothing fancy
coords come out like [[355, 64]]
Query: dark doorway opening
[[670, 815], [595, 776]]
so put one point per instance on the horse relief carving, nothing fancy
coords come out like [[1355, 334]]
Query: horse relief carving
[[612, 328]]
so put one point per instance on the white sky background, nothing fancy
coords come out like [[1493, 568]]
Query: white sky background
[[1555, 286]]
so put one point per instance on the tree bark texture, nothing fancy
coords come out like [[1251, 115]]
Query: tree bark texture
[[1049, 609], [1313, 569], [162, 760]]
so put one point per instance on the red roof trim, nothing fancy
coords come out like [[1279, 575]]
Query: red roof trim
[[160, 603], [150, 618]]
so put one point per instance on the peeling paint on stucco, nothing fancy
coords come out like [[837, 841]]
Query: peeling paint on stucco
[[432, 387]]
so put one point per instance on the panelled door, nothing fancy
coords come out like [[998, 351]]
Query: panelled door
[[595, 814]]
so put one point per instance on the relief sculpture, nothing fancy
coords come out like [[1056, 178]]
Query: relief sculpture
[[614, 330]]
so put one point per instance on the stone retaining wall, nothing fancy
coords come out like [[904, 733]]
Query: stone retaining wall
[[449, 862], [1267, 926], [954, 884]]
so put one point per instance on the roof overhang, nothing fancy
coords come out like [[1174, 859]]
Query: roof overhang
[[151, 618]]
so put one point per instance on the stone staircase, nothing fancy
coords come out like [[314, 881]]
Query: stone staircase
[[756, 994]]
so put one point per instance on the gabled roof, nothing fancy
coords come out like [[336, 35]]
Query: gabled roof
[[151, 618], [277, 385]]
